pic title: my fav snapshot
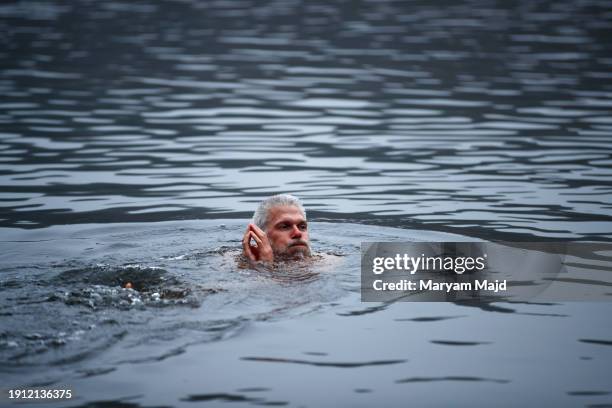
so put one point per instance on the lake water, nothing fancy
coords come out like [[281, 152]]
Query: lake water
[[136, 139]]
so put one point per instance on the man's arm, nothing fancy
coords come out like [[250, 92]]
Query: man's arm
[[260, 253]]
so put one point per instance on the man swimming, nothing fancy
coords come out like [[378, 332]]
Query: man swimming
[[279, 231]]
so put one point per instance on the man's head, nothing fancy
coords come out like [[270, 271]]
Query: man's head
[[283, 219]]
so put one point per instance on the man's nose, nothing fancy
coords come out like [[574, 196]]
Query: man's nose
[[295, 232]]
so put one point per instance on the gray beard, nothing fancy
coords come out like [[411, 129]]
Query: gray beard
[[302, 253]]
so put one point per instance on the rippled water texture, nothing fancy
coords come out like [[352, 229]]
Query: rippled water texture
[[198, 328], [187, 285], [137, 137], [490, 118]]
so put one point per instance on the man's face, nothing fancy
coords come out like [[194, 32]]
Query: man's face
[[287, 231]]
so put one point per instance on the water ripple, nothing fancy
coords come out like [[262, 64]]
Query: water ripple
[[455, 118]]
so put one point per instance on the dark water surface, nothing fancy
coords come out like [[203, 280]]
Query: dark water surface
[[197, 328], [137, 137], [486, 118]]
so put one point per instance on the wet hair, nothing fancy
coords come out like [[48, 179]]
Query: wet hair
[[260, 218]]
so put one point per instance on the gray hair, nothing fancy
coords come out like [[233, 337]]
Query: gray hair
[[260, 218]]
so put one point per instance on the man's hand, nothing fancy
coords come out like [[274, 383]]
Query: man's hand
[[260, 253]]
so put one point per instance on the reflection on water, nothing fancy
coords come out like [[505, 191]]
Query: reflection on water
[[492, 119]]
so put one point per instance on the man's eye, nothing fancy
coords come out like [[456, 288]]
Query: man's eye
[[283, 226], [303, 227]]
